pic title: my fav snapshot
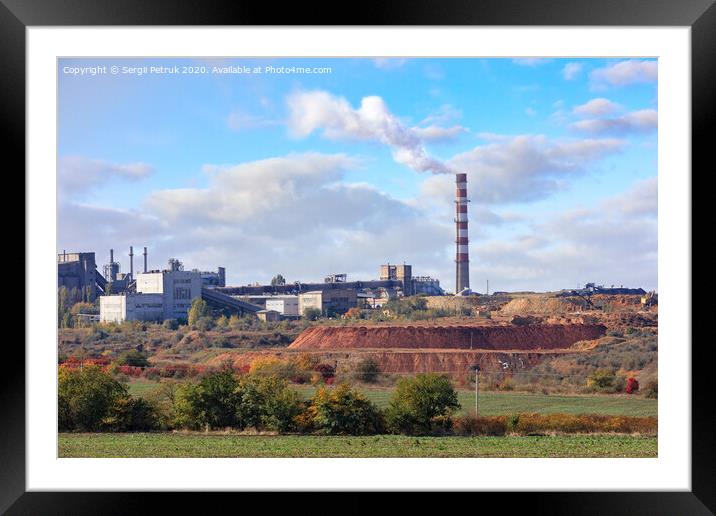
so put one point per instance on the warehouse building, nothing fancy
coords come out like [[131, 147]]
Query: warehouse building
[[335, 301], [287, 306], [131, 307]]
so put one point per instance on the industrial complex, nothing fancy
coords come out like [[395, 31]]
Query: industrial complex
[[158, 295]]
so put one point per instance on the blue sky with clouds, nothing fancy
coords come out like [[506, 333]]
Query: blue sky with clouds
[[308, 174]]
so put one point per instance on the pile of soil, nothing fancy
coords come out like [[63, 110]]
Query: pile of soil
[[542, 305], [531, 337], [409, 361]]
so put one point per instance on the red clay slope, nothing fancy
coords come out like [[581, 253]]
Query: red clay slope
[[543, 336]]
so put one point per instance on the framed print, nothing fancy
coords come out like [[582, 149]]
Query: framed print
[[430, 255]]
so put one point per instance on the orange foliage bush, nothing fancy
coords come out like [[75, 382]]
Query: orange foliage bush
[[585, 423]]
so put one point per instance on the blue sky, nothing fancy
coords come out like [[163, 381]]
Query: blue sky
[[308, 174]]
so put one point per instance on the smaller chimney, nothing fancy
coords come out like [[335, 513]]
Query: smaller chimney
[[145, 259], [131, 262], [111, 256]]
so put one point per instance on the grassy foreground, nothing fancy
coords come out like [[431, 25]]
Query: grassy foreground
[[218, 445], [500, 403]]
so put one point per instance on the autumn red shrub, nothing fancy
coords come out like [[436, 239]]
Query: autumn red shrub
[[175, 371], [75, 363], [632, 385], [152, 373], [244, 369], [133, 371]]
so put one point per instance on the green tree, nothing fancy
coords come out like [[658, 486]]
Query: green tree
[[278, 280], [171, 324], [267, 403], [312, 314], [198, 310], [212, 402], [84, 308], [421, 404], [343, 410], [602, 379], [367, 370], [134, 358], [66, 299], [187, 407], [90, 400], [67, 320]]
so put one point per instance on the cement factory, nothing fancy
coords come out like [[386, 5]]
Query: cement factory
[[158, 295]]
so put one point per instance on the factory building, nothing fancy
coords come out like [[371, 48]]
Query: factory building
[[131, 307], [213, 279], [287, 306], [178, 288], [402, 273], [118, 281], [376, 298], [160, 295], [328, 301], [78, 271], [427, 286]]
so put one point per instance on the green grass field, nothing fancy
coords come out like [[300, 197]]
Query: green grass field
[[500, 403], [217, 445]]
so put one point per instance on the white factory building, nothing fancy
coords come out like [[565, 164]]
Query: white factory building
[[160, 295], [287, 306]]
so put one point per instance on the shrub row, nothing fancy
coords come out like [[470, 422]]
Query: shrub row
[[536, 424], [90, 399]]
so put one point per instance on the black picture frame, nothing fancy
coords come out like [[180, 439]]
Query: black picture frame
[[700, 15]]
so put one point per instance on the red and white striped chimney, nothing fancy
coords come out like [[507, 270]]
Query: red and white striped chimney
[[462, 261]]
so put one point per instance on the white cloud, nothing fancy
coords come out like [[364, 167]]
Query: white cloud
[[640, 200], [434, 72], [437, 133], [531, 61], [571, 71], [530, 111], [443, 115], [527, 167], [311, 111], [612, 242], [241, 121], [631, 71], [389, 63], [294, 215], [596, 107], [78, 174], [641, 121], [110, 229], [243, 192]]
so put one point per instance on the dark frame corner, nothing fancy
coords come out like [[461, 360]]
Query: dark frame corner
[[700, 15]]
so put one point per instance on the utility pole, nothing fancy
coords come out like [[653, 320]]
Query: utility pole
[[477, 389]]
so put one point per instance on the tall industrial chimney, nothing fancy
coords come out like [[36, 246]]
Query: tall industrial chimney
[[131, 262], [462, 261], [145, 260]]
